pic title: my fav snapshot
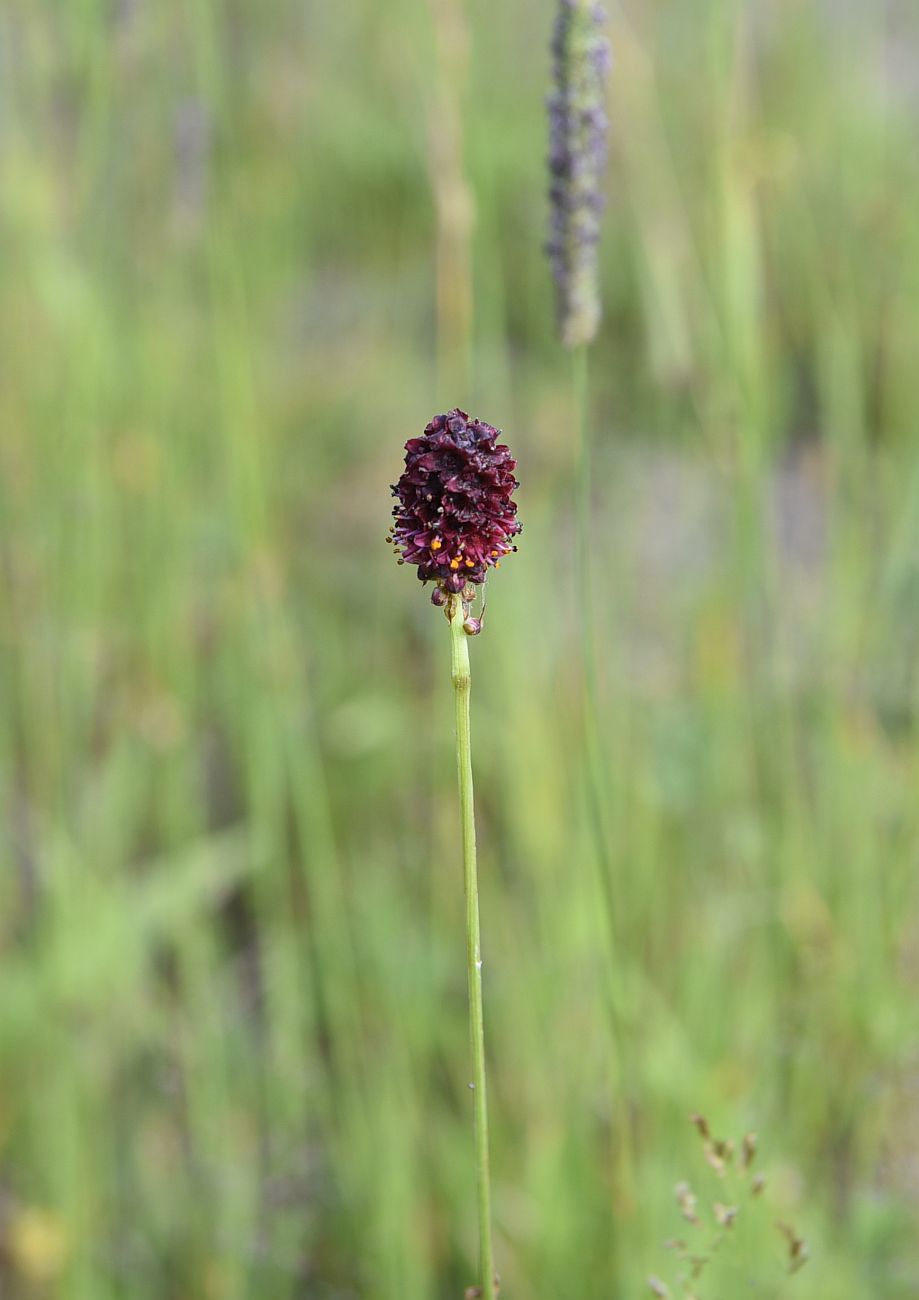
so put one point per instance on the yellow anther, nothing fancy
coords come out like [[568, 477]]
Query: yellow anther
[[436, 544], [454, 564], [494, 554], [470, 564]]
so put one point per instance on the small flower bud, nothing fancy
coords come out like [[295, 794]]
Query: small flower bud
[[701, 1125], [748, 1150], [686, 1199], [725, 1214], [798, 1251]]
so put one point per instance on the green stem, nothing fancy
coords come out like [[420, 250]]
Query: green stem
[[597, 774], [597, 786], [461, 687], [579, 383]]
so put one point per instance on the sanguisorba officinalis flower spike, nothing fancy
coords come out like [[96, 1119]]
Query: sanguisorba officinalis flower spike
[[454, 519], [455, 516]]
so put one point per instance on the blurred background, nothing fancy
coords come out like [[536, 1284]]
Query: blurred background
[[248, 250]]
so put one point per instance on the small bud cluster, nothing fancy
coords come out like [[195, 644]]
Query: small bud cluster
[[577, 160], [455, 517], [732, 1165]]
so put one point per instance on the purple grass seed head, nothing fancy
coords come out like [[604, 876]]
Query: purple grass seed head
[[577, 161], [454, 516]]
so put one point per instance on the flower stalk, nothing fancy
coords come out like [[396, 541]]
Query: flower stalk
[[578, 129], [454, 520], [461, 686]]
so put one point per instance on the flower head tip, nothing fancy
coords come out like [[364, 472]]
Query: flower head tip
[[577, 159]]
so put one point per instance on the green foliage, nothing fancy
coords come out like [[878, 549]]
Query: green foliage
[[233, 1037]]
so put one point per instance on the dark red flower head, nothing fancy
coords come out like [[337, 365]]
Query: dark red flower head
[[455, 517]]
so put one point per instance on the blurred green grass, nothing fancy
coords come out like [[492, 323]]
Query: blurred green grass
[[232, 1030]]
